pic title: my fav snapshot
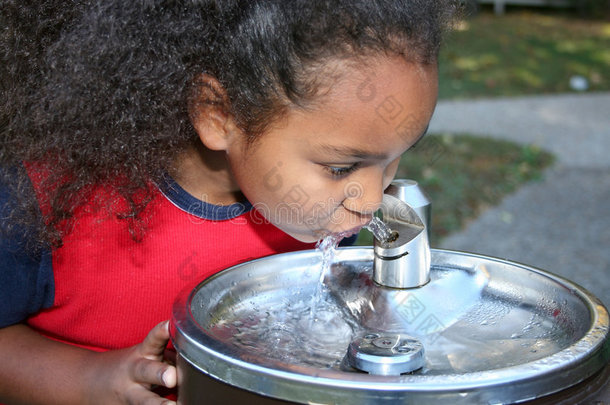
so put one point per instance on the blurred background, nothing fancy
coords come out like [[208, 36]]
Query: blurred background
[[517, 159], [499, 49]]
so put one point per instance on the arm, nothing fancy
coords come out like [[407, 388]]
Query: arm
[[37, 370]]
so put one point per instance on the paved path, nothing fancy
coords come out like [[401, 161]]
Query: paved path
[[562, 223]]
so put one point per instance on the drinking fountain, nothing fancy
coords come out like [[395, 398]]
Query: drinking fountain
[[395, 323]]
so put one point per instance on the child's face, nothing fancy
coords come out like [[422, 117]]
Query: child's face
[[324, 170]]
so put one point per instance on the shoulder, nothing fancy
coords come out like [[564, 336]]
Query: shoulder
[[26, 276]]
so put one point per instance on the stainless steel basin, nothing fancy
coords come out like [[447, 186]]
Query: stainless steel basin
[[493, 331]]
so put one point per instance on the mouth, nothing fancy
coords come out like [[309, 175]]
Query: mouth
[[340, 234], [347, 233], [364, 221]]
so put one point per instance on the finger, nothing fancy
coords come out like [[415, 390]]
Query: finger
[[155, 342], [169, 356], [151, 372], [142, 396]]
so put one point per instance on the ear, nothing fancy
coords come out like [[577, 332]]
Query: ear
[[209, 113]]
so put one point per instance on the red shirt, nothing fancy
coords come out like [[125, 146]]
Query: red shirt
[[110, 291]]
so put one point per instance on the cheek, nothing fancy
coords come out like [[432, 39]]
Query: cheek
[[285, 198], [258, 179], [269, 180], [314, 204]]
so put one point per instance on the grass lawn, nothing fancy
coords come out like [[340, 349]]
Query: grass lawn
[[524, 53], [463, 174]]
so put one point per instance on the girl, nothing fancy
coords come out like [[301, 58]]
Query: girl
[[149, 144]]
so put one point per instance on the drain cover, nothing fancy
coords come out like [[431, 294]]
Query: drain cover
[[385, 353]]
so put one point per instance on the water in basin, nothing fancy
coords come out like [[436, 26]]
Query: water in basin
[[466, 332]]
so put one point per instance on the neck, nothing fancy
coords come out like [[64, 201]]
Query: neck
[[205, 174]]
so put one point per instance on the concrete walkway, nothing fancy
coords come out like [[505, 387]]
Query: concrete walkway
[[562, 223]]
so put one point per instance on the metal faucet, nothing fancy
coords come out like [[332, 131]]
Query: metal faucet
[[403, 261]]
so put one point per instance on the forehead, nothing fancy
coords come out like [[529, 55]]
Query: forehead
[[386, 98]]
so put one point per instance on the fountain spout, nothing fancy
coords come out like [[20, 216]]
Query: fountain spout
[[403, 260]]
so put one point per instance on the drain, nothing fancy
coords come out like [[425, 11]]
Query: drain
[[383, 353]]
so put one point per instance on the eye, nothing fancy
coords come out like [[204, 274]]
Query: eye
[[340, 171]]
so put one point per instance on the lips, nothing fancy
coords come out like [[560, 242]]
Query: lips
[[352, 231], [349, 232], [322, 233]]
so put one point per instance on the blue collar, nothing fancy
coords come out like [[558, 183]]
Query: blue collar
[[201, 209]]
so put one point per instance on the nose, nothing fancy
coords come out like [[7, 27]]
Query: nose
[[364, 195]]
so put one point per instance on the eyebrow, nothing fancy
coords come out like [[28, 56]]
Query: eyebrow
[[348, 151]]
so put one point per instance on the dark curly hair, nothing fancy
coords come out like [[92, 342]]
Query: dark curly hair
[[98, 93]]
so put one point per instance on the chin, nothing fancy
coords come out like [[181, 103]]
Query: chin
[[306, 236], [316, 237]]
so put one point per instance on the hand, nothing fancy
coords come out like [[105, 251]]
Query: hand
[[126, 376]]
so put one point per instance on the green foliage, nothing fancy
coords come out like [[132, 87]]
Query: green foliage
[[464, 174], [523, 53]]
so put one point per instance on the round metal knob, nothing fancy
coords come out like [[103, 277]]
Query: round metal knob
[[384, 353]]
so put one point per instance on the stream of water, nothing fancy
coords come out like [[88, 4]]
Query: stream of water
[[327, 248], [379, 229]]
